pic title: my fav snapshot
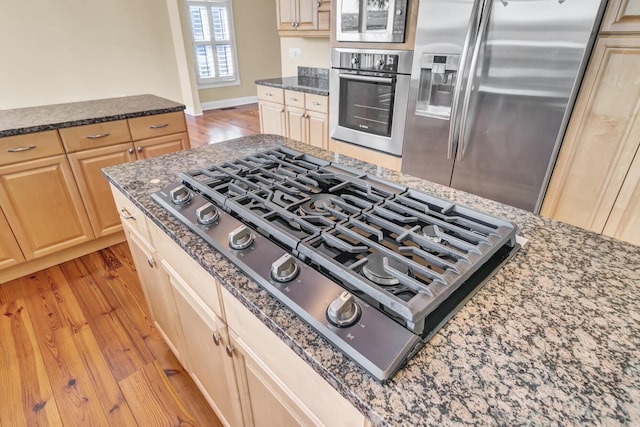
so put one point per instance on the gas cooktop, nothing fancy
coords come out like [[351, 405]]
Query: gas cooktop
[[376, 268]]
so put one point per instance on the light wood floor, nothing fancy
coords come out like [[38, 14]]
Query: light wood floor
[[77, 346]]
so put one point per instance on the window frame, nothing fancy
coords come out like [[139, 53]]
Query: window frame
[[217, 81]]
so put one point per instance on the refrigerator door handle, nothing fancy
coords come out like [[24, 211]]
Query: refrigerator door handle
[[453, 120], [484, 22]]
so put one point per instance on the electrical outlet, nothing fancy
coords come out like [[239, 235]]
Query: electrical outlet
[[295, 52]]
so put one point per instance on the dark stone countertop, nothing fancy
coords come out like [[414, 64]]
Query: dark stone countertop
[[316, 86], [20, 121], [552, 339]]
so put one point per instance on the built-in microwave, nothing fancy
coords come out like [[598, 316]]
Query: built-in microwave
[[378, 21]]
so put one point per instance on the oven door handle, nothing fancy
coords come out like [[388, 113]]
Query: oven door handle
[[373, 79]]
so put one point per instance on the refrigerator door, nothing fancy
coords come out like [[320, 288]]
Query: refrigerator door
[[529, 66], [438, 71]]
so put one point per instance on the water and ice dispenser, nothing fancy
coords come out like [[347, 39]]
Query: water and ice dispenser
[[437, 82]]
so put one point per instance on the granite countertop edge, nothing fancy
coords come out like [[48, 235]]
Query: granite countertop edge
[[480, 368], [313, 86], [52, 117]]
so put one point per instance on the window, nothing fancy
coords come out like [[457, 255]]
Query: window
[[213, 41]]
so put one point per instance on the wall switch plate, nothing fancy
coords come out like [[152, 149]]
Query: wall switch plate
[[295, 52]]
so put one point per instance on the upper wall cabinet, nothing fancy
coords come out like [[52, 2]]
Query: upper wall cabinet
[[622, 16], [304, 18]]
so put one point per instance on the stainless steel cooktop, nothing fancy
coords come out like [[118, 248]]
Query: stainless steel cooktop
[[374, 267]]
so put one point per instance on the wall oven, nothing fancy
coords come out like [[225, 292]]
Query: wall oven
[[381, 21], [369, 92]]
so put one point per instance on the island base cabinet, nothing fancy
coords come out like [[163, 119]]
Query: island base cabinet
[[157, 291], [206, 355], [269, 371], [264, 401]]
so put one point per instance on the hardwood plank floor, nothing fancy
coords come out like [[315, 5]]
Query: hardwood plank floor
[[223, 124], [77, 344]]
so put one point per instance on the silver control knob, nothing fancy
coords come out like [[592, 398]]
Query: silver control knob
[[284, 269], [343, 311], [355, 60], [207, 214], [180, 195], [241, 238]]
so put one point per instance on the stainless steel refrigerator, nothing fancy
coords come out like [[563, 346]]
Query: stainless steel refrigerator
[[492, 87]]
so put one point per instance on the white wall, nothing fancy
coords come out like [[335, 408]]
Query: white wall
[[315, 53], [75, 50]]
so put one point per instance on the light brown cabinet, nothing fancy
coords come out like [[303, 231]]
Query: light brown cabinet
[[10, 253], [622, 16], [593, 180], [296, 115], [43, 206], [303, 18]]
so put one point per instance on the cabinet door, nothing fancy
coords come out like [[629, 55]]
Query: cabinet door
[[601, 140], [264, 401], [286, 14], [87, 168], [307, 14], [10, 253], [161, 145], [624, 221], [207, 361], [296, 124], [157, 291], [43, 206], [272, 118], [622, 16], [317, 129]]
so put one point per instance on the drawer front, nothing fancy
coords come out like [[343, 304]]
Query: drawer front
[[317, 103], [293, 98], [97, 135], [20, 148], [271, 94], [157, 125], [131, 215]]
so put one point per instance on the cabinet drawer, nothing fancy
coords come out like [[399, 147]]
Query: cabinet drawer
[[157, 125], [271, 94], [20, 148], [317, 103], [97, 135], [130, 214], [294, 99]]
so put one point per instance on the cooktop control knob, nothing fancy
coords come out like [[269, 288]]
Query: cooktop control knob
[[241, 238], [343, 311], [207, 214], [180, 195], [284, 269]]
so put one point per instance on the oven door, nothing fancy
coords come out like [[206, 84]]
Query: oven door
[[381, 21], [369, 109]]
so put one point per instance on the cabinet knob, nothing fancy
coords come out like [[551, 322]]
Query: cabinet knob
[[151, 262], [139, 149], [131, 150], [229, 349], [216, 338]]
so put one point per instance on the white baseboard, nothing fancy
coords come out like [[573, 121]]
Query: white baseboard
[[212, 105], [189, 111]]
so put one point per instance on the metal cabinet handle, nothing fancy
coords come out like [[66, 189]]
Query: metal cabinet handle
[[294, 99], [124, 213], [131, 151], [20, 149], [229, 349], [139, 149], [151, 262], [216, 338], [160, 126], [98, 135], [316, 103], [269, 94]]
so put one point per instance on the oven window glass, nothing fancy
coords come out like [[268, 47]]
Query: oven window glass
[[377, 14], [366, 106], [350, 15]]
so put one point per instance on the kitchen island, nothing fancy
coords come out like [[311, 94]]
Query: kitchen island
[[551, 339]]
